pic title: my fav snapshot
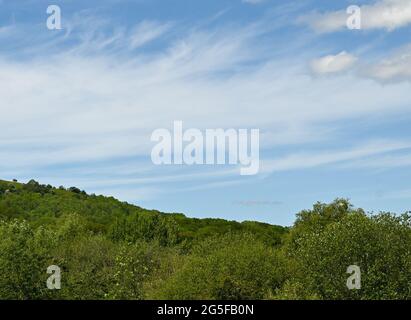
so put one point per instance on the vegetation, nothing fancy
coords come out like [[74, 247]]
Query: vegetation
[[107, 249]]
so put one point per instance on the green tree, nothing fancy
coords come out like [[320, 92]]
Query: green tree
[[379, 245], [146, 227], [227, 267], [25, 255]]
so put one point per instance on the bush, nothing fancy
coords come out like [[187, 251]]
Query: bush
[[228, 267], [379, 245], [25, 255], [146, 227]]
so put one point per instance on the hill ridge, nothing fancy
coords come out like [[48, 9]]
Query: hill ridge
[[39, 203]]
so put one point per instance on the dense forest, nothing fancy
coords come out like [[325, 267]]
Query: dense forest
[[107, 249]]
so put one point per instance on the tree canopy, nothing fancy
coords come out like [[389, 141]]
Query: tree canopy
[[107, 249]]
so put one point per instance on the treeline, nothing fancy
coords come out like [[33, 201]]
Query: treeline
[[107, 249]]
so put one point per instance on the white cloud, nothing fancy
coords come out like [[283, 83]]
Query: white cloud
[[333, 63], [85, 105], [311, 160], [395, 68], [383, 14], [382, 162], [147, 31]]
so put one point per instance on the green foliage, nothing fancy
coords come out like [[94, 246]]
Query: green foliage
[[108, 249], [228, 267], [34, 186], [24, 257], [147, 227], [86, 264], [380, 246], [134, 263], [314, 221], [41, 205]]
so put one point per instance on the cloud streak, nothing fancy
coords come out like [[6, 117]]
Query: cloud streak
[[395, 68], [384, 14], [320, 158], [91, 97]]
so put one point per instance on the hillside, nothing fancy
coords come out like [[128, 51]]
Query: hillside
[[42, 204], [107, 249]]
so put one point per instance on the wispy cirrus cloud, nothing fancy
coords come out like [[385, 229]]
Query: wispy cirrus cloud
[[310, 160], [383, 14], [79, 105], [390, 161], [147, 31], [394, 68], [202, 78]]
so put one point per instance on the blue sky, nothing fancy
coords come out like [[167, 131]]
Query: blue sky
[[333, 105]]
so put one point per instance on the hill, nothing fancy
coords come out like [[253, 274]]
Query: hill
[[107, 249], [43, 204]]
